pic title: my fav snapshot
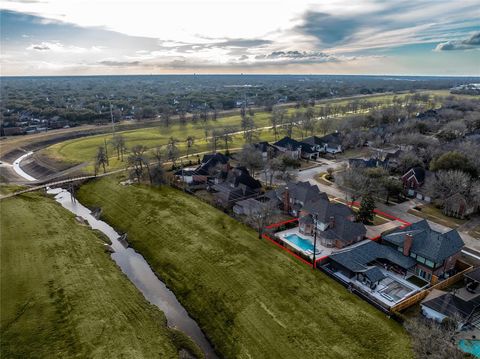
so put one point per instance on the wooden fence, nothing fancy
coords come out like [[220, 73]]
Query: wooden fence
[[414, 299]]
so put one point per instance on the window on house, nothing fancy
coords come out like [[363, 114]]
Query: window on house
[[400, 249], [413, 255], [420, 259], [429, 263]]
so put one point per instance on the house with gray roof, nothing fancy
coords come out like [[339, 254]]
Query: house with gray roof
[[435, 253], [461, 304], [368, 254], [235, 185], [296, 149], [331, 143], [370, 163], [295, 195], [440, 305], [254, 206], [333, 223]]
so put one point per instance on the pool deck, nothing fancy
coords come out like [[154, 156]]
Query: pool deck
[[325, 251]]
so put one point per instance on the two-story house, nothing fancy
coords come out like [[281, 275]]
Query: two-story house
[[435, 253], [294, 196], [296, 149], [331, 143], [333, 223]]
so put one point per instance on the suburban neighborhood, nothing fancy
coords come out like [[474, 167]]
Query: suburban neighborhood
[[240, 180]]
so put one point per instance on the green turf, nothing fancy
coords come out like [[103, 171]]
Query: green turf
[[252, 299], [84, 149], [63, 297]]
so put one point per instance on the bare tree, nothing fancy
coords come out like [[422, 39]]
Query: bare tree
[[354, 183], [100, 159], [138, 161], [227, 136], [190, 142], [248, 126], [276, 119], [432, 340], [447, 183], [289, 124], [172, 151], [284, 167], [159, 154], [215, 138], [118, 142], [325, 125], [251, 158], [261, 216]]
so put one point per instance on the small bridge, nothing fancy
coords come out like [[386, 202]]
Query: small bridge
[[60, 182]]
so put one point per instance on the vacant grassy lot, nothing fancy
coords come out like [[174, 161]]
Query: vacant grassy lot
[[252, 299], [84, 149], [63, 297]]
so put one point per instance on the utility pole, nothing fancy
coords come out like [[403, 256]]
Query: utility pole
[[314, 239], [106, 150], [111, 117]]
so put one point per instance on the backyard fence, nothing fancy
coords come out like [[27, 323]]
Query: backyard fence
[[414, 299]]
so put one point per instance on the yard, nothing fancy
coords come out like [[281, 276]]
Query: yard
[[475, 232], [63, 297], [434, 214], [251, 298]]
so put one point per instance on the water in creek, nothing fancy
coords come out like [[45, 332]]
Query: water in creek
[[139, 272]]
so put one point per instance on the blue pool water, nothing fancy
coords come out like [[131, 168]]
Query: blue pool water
[[303, 243], [470, 346]]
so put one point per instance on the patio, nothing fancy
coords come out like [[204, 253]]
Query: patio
[[389, 291]]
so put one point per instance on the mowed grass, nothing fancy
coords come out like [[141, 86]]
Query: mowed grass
[[251, 298], [63, 297], [84, 149]]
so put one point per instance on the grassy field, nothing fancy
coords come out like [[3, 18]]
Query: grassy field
[[84, 149], [252, 299], [63, 297]]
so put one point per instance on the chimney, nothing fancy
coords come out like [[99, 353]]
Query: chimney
[[331, 222], [407, 244], [286, 201]]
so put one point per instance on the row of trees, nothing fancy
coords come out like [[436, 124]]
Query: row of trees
[[141, 162], [85, 100]]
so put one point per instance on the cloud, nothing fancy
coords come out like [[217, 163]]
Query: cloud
[[119, 63], [242, 43], [25, 1], [40, 47], [298, 57], [61, 48], [470, 43], [328, 29]]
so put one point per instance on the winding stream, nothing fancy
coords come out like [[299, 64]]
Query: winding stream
[[135, 268]]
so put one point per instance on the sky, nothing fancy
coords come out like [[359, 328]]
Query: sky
[[397, 37]]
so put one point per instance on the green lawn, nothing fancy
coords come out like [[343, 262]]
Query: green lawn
[[63, 297], [434, 214], [83, 149], [252, 299]]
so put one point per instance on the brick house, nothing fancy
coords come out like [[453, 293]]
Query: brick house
[[435, 253]]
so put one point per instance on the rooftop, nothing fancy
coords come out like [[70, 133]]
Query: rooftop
[[427, 242]]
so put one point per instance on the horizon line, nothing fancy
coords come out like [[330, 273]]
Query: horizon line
[[240, 74]]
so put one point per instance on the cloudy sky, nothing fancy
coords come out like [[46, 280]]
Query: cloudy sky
[[67, 37]]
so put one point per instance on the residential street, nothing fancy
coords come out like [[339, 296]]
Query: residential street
[[397, 210]]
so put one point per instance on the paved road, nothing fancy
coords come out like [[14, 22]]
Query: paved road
[[397, 210]]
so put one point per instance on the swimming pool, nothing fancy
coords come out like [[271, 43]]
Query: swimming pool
[[470, 346], [300, 242]]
